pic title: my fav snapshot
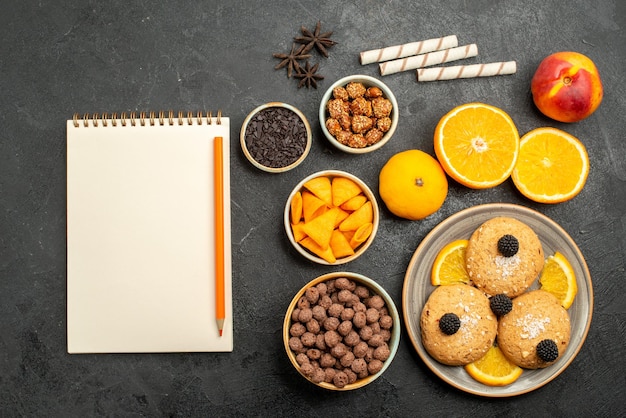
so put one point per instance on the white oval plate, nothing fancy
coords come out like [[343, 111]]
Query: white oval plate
[[417, 288]]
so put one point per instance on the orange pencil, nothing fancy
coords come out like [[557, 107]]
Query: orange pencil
[[218, 176]]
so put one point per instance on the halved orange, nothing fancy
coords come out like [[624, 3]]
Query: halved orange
[[558, 278], [552, 166], [494, 369], [449, 265], [477, 145]]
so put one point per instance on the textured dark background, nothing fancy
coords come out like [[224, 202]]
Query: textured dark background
[[61, 57]]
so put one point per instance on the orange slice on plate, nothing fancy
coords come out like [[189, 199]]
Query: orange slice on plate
[[449, 265], [558, 278], [494, 369], [477, 145], [552, 166]]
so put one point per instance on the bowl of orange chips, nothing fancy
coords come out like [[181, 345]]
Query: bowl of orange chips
[[331, 217]]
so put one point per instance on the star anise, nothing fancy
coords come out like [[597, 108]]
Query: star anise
[[291, 59], [321, 41], [308, 76]]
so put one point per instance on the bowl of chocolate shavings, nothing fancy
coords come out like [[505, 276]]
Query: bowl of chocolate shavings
[[275, 137]]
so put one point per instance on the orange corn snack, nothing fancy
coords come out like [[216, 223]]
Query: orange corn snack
[[326, 254], [320, 187], [296, 208], [321, 228], [340, 245], [363, 215], [344, 189], [312, 206]]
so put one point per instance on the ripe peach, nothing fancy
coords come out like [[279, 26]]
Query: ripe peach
[[567, 86]]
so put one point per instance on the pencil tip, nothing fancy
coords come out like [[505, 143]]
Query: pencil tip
[[221, 332]]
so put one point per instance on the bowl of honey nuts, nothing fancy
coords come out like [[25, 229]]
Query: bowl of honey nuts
[[331, 217], [341, 331], [358, 114]]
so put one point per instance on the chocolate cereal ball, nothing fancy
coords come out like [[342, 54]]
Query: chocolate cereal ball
[[313, 353], [340, 379], [313, 326], [302, 358], [319, 313], [382, 352], [374, 366], [297, 330], [312, 294], [330, 374], [331, 323], [327, 360], [376, 302], [307, 369], [305, 315], [360, 349], [352, 339], [296, 345], [308, 339], [344, 328], [339, 350], [320, 344], [318, 375], [376, 341], [332, 338], [347, 314], [347, 359], [359, 366], [335, 310], [372, 315], [359, 320], [303, 303]]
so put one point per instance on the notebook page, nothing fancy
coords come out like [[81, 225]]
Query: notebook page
[[140, 239]]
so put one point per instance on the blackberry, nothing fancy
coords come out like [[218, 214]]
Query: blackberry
[[547, 350], [500, 304], [508, 245], [449, 323]]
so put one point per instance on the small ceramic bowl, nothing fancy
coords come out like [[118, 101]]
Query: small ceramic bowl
[[367, 81], [358, 250], [374, 289], [268, 147]]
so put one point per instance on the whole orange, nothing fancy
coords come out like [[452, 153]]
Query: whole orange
[[567, 87], [413, 184]]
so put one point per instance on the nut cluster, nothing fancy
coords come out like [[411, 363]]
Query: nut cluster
[[340, 332], [358, 116]]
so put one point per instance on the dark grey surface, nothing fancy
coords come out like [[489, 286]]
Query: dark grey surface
[[57, 58]]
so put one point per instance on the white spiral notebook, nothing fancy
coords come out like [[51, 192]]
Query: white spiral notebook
[[141, 234]]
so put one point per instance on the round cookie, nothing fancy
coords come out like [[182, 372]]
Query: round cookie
[[478, 325], [494, 273], [536, 316]]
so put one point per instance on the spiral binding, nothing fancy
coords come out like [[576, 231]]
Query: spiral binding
[[149, 118]]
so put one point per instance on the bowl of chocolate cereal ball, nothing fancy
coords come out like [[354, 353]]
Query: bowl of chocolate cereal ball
[[331, 217], [275, 137], [358, 114], [341, 331]]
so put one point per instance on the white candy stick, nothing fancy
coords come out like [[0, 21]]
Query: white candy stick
[[409, 49], [426, 60], [466, 71]]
